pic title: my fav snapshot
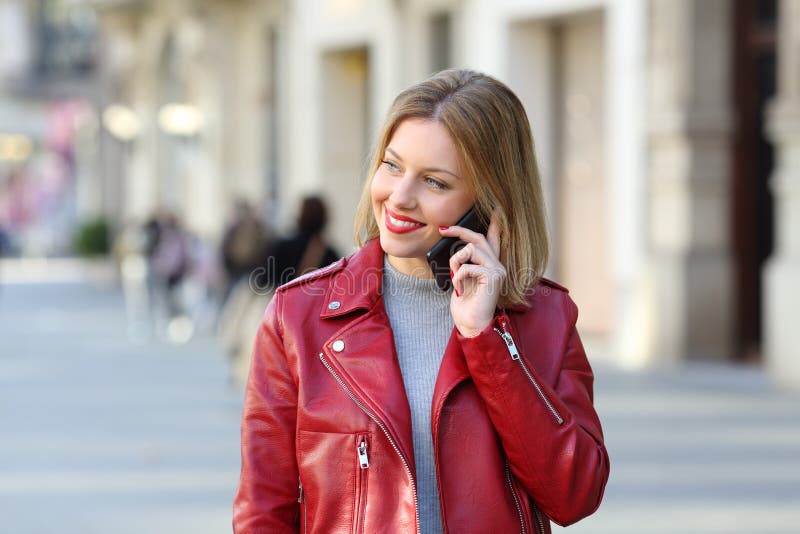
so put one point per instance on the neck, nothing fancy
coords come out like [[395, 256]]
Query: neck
[[416, 267]]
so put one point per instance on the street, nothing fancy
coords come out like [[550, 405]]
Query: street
[[707, 449], [99, 435]]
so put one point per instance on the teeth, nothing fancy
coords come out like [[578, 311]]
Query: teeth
[[398, 222]]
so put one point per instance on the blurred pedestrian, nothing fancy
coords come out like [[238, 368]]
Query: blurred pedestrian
[[5, 241], [304, 251], [152, 230], [204, 283], [388, 404], [169, 264], [289, 257], [244, 245], [130, 252], [5, 247]]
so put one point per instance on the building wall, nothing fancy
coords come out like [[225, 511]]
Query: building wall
[[629, 122], [490, 36], [338, 64], [210, 55]]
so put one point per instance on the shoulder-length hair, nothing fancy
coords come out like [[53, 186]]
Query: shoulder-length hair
[[491, 132]]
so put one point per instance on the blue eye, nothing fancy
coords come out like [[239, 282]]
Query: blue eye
[[436, 184], [391, 166]]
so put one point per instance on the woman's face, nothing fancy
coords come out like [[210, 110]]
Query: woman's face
[[418, 187]]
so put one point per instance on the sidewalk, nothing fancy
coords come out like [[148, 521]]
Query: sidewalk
[[704, 449], [101, 436]]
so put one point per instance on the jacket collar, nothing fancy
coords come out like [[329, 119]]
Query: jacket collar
[[357, 285]]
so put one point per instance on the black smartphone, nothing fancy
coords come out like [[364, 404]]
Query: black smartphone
[[439, 255]]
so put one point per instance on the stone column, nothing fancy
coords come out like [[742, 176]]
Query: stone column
[[688, 198], [782, 283]]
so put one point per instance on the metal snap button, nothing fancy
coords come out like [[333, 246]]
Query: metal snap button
[[334, 305], [338, 345]]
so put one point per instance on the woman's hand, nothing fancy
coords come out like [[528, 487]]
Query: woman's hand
[[478, 277]]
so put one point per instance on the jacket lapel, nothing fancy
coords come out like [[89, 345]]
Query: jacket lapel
[[452, 372], [362, 352]]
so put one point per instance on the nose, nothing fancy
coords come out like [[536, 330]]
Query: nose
[[404, 192]]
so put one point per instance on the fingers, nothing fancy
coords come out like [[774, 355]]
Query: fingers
[[491, 239], [479, 259], [468, 274], [462, 275], [462, 233], [471, 253]]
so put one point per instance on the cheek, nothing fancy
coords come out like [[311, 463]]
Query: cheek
[[377, 189], [449, 212], [377, 196]]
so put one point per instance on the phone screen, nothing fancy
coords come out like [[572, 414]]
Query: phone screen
[[439, 255]]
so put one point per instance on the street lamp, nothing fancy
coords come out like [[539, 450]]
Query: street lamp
[[122, 122], [183, 120], [15, 147]]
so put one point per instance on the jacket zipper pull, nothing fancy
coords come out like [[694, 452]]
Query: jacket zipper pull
[[300, 497], [512, 347], [363, 459]]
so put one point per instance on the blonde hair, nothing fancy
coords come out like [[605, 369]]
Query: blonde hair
[[492, 135]]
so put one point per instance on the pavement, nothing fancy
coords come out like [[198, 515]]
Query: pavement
[[706, 449], [101, 435]]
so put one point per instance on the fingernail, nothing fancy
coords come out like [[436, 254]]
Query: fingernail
[[443, 227], [451, 273], [457, 292]]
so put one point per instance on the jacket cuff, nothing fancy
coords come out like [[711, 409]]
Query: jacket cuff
[[487, 341]]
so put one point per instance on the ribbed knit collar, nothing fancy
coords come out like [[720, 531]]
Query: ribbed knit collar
[[396, 283]]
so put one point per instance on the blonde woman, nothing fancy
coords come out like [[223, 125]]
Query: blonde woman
[[376, 402]]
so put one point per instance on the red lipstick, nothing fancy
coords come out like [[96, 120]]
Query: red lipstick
[[400, 229]]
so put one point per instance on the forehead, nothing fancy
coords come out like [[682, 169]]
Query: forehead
[[425, 140]]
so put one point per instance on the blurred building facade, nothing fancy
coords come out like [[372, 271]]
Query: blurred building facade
[[667, 133], [48, 124]]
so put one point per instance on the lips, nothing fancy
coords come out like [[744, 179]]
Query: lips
[[400, 224]]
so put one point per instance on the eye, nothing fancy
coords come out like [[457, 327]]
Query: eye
[[434, 183], [393, 168]]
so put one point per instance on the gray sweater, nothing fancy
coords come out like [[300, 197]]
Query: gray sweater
[[419, 314]]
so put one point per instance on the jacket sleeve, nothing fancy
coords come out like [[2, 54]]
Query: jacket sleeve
[[267, 497], [550, 431]]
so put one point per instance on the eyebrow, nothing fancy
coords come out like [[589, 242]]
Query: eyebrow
[[427, 169]]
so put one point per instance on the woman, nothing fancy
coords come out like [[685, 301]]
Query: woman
[[377, 402]]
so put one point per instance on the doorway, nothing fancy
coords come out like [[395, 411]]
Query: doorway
[[557, 67], [752, 222], [345, 103]]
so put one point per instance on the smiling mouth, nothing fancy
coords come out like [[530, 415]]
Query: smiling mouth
[[400, 226]]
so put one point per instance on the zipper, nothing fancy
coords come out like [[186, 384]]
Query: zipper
[[361, 489], [516, 500], [302, 500], [512, 350], [363, 458], [538, 515], [383, 428]]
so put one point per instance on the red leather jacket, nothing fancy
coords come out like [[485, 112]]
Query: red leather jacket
[[326, 430]]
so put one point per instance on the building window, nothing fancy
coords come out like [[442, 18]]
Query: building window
[[67, 37], [441, 52]]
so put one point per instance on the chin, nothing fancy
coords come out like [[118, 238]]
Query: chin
[[400, 250]]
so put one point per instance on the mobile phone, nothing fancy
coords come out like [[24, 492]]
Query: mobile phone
[[439, 255]]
